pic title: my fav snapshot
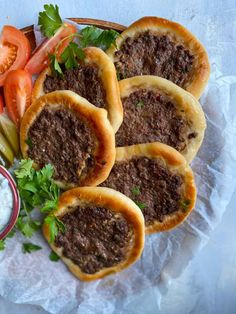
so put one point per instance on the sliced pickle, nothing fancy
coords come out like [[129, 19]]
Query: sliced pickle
[[4, 162], [6, 150], [9, 130]]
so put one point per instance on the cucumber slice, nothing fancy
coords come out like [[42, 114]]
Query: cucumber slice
[[9, 130], [6, 150]]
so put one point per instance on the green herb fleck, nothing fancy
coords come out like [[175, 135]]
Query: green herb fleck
[[54, 257], [2, 245], [140, 104], [30, 247], [118, 75], [140, 204], [184, 204], [55, 225], [49, 20], [135, 190], [29, 142], [11, 234]]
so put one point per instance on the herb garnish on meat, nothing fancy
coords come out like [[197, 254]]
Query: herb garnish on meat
[[50, 21]]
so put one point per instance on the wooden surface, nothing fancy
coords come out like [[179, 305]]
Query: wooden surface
[[29, 31]]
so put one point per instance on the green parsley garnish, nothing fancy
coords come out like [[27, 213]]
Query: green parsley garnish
[[54, 65], [2, 245], [37, 190], [29, 142], [30, 247], [54, 257], [135, 191], [93, 36], [49, 20], [140, 204], [71, 54], [140, 104], [55, 225], [184, 204]]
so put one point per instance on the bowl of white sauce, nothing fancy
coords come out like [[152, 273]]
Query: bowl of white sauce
[[9, 202]]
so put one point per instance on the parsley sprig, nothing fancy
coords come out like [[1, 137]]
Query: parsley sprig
[[93, 36], [37, 190], [49, 20]]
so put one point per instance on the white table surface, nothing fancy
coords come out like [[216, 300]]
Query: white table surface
[[208, 285]]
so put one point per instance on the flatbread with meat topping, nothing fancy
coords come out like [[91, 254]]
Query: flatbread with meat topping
[[104, 232], [63, 129], [156, 46], [156, 109], [94, 79], [158, 179]]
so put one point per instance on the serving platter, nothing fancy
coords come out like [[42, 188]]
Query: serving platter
[[29, 30]]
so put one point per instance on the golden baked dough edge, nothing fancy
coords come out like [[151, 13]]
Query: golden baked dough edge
[[174, 161], [110, 199], [97, 118], [199, 77], [107, 73], [182, 99]]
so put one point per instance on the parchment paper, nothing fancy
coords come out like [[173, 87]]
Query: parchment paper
[[34, 279]]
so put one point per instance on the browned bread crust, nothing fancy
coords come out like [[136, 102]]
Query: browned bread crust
[[113, 200], [104, 153], [201, 72], [107, 74]]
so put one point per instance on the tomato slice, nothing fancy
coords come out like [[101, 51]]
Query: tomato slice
[[17, 93], [39, 60], [1, 104], [14, 51]]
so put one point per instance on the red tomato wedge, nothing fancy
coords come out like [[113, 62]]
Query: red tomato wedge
[[39, 60], [17, 93], [1, 104], [14, 51]]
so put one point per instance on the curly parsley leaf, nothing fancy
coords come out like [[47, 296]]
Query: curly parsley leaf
[[93, 36], [2, 245], [30, 247], [55, 226], [49, 20], [54, 257]]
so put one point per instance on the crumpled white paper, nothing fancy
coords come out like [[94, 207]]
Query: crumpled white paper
[[34, 279]]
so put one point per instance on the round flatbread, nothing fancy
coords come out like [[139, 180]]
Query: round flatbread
[[156, 46], [155, 109], [104, 232], [158, 179], [94, 79], [65, 130]]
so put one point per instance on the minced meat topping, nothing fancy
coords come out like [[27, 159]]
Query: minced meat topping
[[154, 54], [150, 116], [148, 182], [83, 80], [64, 140], [94, 238]]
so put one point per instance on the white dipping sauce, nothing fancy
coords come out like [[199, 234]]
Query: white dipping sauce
[[6, 202]]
